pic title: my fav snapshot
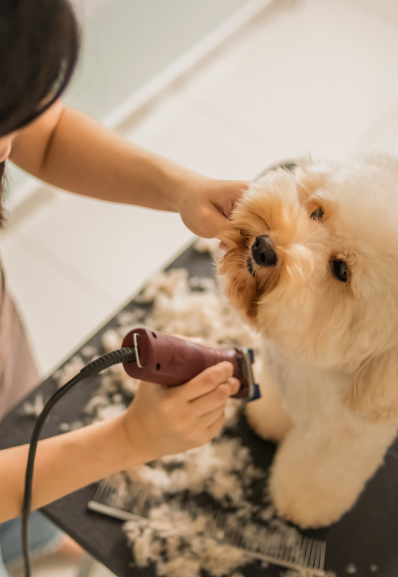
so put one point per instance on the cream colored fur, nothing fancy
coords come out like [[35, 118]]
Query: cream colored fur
[[330, 349]]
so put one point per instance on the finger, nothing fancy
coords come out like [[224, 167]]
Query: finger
[[209, 419], [215, 428], [216, 398], [232, 191], [218, 222], [206, 381]]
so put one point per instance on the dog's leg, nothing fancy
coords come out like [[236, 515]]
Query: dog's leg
[[313, 482], [266, 416]]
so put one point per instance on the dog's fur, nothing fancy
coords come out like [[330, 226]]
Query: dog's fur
[[329, 381]]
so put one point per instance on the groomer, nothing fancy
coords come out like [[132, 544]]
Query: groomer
[[39, 45]]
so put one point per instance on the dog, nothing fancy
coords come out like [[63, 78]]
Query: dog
[[312, 265]]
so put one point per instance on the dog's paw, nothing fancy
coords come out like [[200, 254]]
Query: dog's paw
[[309, 488], [305, 504]]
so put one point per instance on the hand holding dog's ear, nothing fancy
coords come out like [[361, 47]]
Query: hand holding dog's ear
[[206, 204], [374, 391]]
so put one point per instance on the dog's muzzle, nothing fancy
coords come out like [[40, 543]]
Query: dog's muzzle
[[263, 251]]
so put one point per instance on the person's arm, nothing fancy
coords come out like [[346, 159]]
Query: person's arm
[[70, 150], [160, 421]]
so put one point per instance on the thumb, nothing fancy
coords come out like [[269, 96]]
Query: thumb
[[215, 223]]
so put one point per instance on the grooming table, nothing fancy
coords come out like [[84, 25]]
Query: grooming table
[[365, 537]]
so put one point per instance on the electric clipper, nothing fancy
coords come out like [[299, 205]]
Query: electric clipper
[[171, 361]]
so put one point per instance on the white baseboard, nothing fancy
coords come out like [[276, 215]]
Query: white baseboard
[[185, 63]]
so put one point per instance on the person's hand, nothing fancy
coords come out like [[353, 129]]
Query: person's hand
[[164, 421], [205, 204]]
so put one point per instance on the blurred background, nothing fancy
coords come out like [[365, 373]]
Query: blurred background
[[225, 87]]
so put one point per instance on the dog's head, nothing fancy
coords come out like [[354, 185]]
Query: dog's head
[[313, 265]]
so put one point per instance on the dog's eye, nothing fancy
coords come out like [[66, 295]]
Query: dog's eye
[[340, 270], [317, 214]]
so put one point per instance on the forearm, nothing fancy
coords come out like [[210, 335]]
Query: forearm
[[64, 464], [84, 157], [70, 150]]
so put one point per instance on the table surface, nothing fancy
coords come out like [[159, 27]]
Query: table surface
[[366, 536]]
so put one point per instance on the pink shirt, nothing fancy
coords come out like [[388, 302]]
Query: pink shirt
[[18, 374]]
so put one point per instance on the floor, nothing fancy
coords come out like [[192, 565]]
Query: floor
[[315, 76]]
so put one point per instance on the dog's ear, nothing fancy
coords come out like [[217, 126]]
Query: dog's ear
[[309, 177], [374, 391]]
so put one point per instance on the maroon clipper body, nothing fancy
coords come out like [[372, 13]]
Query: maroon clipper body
[[172, 361]]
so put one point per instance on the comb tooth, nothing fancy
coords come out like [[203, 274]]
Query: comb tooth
[[234, 537], [302, 551], [284, 547], [292, 553], [192, 510], [212, 524], [317, 556], [264, 539], [261, 539], [257, 534], [272, 544], [267, 543], [276, 545], [107, 492], [116, 499], [239, 537], [243, 534], [147, 506], [135, 500], [99, 494], [323, 553], [218, 519], [290, 550], [140, 502], [254, 537], [297, 549], [249, 535], [112, 496], [308, 553], [311, 562]]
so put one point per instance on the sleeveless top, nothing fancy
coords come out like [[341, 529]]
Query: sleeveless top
[[18, 374]]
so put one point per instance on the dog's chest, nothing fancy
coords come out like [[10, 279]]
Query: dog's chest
[[311, 396]]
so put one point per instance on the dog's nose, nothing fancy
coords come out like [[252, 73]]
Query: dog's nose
[[263, 251]]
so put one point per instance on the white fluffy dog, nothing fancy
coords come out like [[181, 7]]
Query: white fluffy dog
[[313, 266]]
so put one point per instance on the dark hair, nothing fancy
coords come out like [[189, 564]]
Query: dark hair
[[39, 46]]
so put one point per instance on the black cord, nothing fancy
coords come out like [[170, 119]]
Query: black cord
[[90, 370]]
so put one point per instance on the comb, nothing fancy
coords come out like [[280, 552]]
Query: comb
[[302, 554]]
